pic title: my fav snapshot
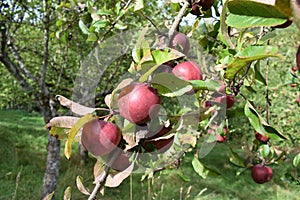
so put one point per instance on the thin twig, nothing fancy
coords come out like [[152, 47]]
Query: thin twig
[[178, 19], [150, 20], [112, 26], [100, 180]]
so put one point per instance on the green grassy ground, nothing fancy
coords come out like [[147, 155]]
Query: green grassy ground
[[22, 162]]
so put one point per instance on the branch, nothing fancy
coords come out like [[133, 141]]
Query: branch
[[114, 23], [100, 181], [22, 67], [46, 20], [178, 19]]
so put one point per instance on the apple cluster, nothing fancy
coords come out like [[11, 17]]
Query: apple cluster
[[139, 103]]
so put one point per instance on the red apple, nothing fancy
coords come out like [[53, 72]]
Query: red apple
[[121, 163], [100, 137], [294, 69], [208, 104], [195, 9], [137, 101], [180, 42], [261, 137], [261, 174], [228, 99], [188, 71], [293, 84]]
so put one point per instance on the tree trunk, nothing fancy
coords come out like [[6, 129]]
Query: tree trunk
[[52, 166]]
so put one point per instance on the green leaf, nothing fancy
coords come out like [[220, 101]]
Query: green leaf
[[100, 24], [296, 160], [160, 57], [264, 150], [243, 21], [234, 158], [248, 55], [139, 5], [169, 85], [137, 50], [83, 27], [77, 126], [202, 170], [199, 168], [211, 85], [103, 11], [258, 75], [183, 177], [262, 8], [92, 37], [120, 26], [259, 124]]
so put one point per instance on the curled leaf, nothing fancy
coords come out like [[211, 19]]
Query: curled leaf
[[74, 130], [74, 107], [80, 186], [115, 179]]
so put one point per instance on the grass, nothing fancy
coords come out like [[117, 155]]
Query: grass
[[23, 151]]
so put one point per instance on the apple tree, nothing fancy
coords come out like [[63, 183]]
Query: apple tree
[[180, 89]]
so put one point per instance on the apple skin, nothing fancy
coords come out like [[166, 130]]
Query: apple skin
[[100, 137], [188, 70], [261, 137], [261, 174], [136, 101], [294, 69], [121, 163], [228, 100], [204, 4], [180, 42]]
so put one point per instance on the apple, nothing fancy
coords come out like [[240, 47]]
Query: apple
[[261, 137], [207, 104], [195, 9], [188, 70], [137, 101], [227, 99], [293, 84], [121, 163], [180, 42], [294, 69], [298, 100], [100, 137], [261, 174]]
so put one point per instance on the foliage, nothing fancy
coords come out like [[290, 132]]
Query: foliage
[[240, 56]]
